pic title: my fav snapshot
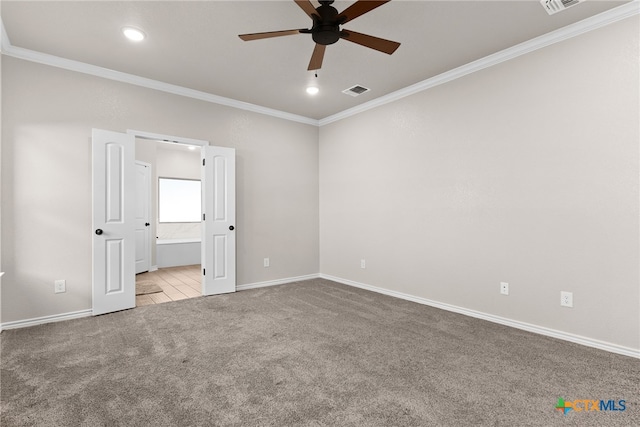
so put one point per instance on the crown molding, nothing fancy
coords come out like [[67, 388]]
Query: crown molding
[[601, 20], [5, 43], [81, 67]]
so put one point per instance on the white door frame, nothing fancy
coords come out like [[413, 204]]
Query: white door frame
[[166, 138], [178, 140], [148, 201]]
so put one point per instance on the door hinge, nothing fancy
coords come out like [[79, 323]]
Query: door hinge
[[203, 217], [204, 271], [202, 162]]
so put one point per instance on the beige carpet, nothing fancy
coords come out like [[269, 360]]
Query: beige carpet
[[147, 287], [306, 354]]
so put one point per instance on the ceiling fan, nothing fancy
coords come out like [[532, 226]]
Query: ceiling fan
[[326, 28]]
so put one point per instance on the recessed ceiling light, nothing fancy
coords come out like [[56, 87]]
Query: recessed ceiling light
[[133, 34], [312, 90]]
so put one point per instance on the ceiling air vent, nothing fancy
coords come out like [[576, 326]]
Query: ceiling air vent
[[356, 90], [555, 6]]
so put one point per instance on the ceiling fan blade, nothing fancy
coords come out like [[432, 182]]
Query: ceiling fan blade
[[359, 8], [382, 45], [307, 7], [257, 36], [317, 57]]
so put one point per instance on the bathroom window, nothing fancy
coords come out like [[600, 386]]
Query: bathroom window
[[179, 200]]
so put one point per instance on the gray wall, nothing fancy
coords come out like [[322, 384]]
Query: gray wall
[[46, 181], [526, 172]]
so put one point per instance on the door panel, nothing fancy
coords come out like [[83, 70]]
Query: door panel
[[220, 250], [115, 282], [143, 217], [142, 263], [218, 235], [113, 169]]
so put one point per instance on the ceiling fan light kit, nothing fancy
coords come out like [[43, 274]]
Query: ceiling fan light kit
[[326, 28]]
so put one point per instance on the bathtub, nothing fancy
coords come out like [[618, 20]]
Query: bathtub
[[177, 252]]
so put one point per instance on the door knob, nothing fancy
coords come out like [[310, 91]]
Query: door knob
[[98, 231], [231, 227], [146, 224]]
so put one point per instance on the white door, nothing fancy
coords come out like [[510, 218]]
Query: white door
[[219, 216], [143, 216], [113, 177]]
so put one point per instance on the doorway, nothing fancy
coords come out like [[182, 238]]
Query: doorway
[[175, 201], [114, 214], [175, 283]]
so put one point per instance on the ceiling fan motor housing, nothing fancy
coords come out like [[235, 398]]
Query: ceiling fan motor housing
[[326, 30]]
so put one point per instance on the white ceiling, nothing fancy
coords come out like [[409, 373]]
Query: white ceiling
[[195, 44]]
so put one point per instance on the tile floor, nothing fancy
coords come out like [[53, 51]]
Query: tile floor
[[176, 282]]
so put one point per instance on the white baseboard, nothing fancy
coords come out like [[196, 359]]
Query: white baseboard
[[589, 342], [45, 319], [578, 339], [153, 268], [276, 282], [86, 313]]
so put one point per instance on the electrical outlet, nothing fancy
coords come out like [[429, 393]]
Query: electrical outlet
[[266, 262], [504, 288], [59, 286], [566, 299], [363, 263]]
